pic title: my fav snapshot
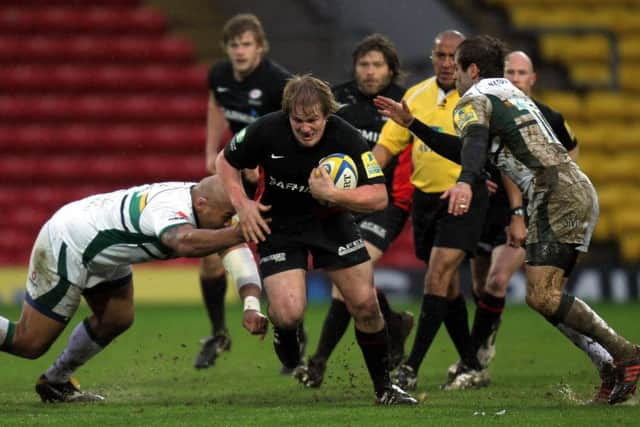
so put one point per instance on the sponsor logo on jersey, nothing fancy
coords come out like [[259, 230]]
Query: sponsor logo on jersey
[[237, 139], [465, 116], [222, 89], [255, 96], [374, 228], [179, 215], [350, 247], [238, 116], [370, 135], [255, 93], [275, 156], [289, 186], [371, 165], [279, 257]]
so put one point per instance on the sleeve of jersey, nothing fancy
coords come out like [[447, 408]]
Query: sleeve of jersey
[[164, 212], [564, 133], [242, 152], [369, 171], [471, 119], [394, 137], [447, 146], [212, 77]]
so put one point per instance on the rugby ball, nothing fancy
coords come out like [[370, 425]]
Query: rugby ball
[[342, 170]]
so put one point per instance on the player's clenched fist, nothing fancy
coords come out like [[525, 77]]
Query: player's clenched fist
[[255, 322]]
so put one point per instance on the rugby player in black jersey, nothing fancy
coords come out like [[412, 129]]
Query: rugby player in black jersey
[[242, 88], [309, 215], [376, 70]]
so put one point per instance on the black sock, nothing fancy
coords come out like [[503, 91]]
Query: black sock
[[333, 328], [383, 302], [457, 323], [285, 342], [375, 349], [213, 292], [487, 318], [433, 312]]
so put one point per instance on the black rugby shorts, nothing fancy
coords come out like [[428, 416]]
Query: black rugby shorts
[[434, 226], [334, 242]]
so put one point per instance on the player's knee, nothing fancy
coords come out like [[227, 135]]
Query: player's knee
[[544, 303], [365, 311], [497, 282], [286, 317]]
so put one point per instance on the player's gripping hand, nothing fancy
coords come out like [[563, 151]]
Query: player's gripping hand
[[254, 226], [321, 186], [255, 322]]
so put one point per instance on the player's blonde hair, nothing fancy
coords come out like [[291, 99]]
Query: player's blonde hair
[[306, 92]]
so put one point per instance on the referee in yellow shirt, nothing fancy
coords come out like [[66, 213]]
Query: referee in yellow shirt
[[441, 239]]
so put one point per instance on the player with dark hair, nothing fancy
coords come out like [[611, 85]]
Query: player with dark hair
[[309, 215], [496, 120], [376, 70], [242, 88], [86, 250]]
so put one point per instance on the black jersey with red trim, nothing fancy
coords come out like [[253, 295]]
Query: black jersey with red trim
[[244, 101], [358, 109], [270, 143]]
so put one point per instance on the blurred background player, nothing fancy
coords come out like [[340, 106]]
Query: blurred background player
[[376, 71], [86, 250], [441, 239], [309, 215], [242, 88]]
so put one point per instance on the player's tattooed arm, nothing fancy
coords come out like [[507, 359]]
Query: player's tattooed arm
[[187, 241]]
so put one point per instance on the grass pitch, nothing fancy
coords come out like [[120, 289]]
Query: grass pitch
[[538, 378]]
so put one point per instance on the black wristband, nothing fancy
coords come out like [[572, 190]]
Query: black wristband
[[519, 211]]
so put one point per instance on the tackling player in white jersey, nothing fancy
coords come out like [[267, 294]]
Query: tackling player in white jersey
[[87, 248]]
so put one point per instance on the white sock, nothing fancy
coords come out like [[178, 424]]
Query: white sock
[[598, 355], [4, 328], [79, 350]]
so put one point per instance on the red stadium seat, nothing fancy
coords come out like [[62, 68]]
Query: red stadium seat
[[100, 108], [63, 79], [74, 3], [114, 170], [66, 20], [91, 49], [186, 139]]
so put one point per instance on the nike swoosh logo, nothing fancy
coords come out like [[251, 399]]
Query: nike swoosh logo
[[274, 156], [222, 89]]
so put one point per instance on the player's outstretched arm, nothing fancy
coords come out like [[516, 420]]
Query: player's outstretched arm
[[187, 241]]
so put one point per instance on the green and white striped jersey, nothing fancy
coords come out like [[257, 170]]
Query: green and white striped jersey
[[124, 227]]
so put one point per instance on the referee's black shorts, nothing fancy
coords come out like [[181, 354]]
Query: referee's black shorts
[[434, 226], [333, 241]]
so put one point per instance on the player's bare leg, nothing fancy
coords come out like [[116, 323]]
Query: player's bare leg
[[356, 285], [286, 292], [113, 314], [545, 286]]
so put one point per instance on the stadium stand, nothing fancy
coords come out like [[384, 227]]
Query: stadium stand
[[598, 43], [96, 95]]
